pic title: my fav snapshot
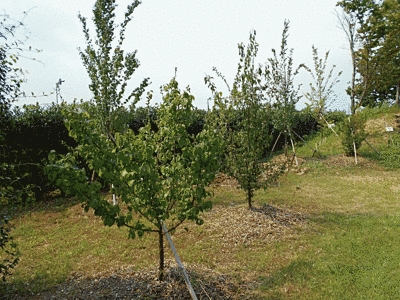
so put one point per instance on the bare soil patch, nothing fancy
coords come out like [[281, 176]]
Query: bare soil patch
[[223, 180]]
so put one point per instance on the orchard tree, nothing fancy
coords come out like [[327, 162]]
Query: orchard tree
[[280, 86], [352, 134], [159, 178], [244, 121], [321, 94]]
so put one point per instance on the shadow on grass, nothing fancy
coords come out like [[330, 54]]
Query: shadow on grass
[[349, 257], [27, 289], [49, 204], [296, 272]]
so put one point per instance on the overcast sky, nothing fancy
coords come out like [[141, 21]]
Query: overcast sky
[[193, 36]]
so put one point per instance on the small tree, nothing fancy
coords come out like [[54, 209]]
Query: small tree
[[159, 178], [321, 91], [280, 86], [353, 134], [243, 119]]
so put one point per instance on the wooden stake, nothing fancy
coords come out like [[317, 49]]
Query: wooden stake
[[273, 148], [114, 199], [330, 127], [354, 144], [355, 152], [314, 150], [294, 152], [180, 265], [371, 146]]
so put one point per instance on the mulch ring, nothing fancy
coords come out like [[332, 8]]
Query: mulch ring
[[348, 161], [235, 225], [129, 284], [224, 180]]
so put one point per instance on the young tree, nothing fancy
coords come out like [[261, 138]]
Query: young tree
[[244, 121], [352, 134], [280, 87], [321, 89], [159, 178]]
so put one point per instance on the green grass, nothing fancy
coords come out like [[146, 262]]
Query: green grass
[[326, 144], [55, 243]]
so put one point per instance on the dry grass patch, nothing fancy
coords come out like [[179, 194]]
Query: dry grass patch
[[379, 125]]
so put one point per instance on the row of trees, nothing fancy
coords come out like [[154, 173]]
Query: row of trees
[[160, 177]]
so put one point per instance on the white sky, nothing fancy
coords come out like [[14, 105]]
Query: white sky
[[193, 36]]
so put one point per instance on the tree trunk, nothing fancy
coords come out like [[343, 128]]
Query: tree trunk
[[249, 197], [161, 248], [353, 78], [397, 93]]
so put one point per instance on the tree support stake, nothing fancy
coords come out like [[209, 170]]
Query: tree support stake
[[180, 265]]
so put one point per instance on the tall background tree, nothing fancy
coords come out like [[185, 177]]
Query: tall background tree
[[375, 54], [108, 68]]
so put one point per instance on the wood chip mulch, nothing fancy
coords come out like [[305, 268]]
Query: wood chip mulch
[[236, 225], [129, 284]]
